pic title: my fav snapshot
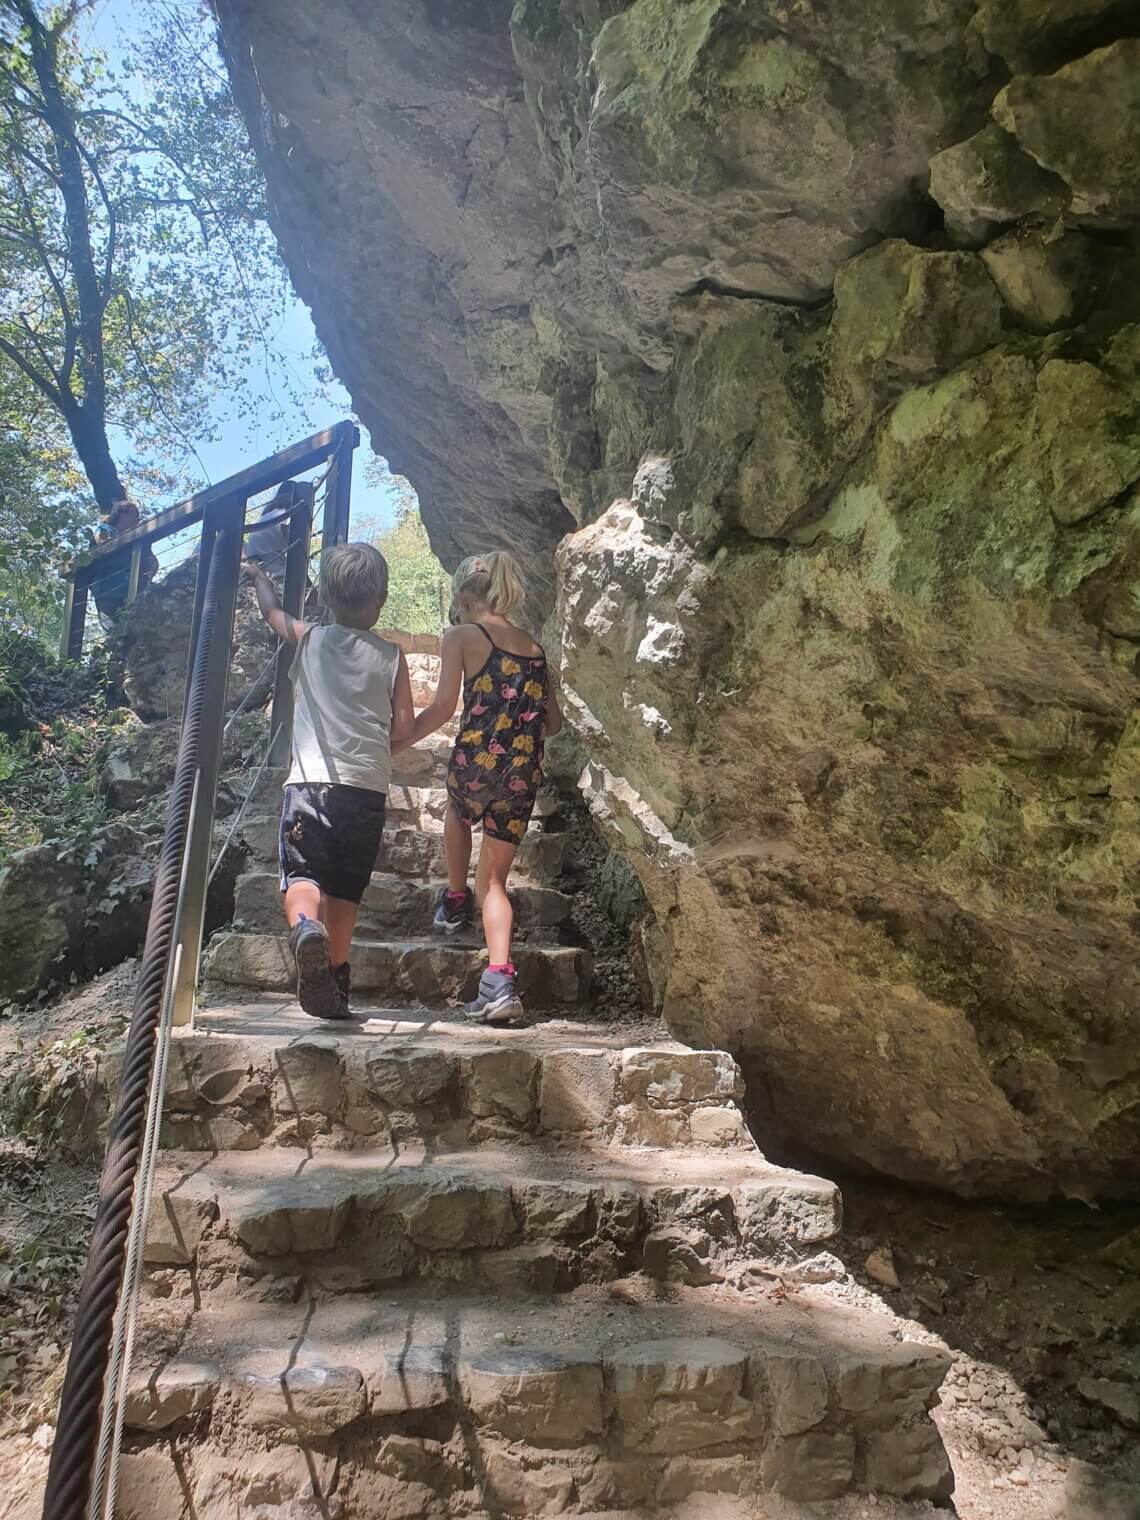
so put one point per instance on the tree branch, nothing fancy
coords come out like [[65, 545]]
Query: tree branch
[[37, 340], [41, 249], [112, 223], [128, 306], [42, 384], [73, 189]]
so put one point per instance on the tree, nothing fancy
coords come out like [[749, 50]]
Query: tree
[[139, 264], [419, 589]]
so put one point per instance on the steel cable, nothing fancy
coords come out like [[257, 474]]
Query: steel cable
[[77, 1429]]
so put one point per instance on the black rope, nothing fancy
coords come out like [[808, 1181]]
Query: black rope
[[77, 1429]]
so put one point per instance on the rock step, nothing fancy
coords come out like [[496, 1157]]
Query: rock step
[[539, 1219], [448, 1086], [581, 1406], [413, 971], [413, 851], [394, 906]]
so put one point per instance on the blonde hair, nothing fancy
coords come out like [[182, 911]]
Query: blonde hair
[[354, 579], [491, 580]]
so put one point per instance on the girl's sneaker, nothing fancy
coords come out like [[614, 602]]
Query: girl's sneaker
[[316, 990], [497, 1001], [452, 913]]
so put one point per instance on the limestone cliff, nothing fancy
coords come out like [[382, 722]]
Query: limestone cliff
[[800, 339]]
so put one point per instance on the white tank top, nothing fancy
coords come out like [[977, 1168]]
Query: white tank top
[[343, 680]]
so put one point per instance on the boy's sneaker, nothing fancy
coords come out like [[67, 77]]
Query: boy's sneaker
[[316, 990], [452, 913], [342, 978], [497, 1001]]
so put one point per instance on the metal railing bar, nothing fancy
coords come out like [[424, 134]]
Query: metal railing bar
[[249, 482]]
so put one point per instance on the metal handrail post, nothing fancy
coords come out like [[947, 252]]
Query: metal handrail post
[[293, 601], [225, 541], [133, 576], [71, 597], [205, 550], [339, 488]]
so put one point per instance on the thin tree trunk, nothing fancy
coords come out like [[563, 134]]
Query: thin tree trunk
[[89, 436]]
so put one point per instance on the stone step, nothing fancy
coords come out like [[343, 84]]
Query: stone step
[[416, 972], [394, 906], [254, 1076], [586, 1406], [412, 850], [415, 807], [535, 1218]]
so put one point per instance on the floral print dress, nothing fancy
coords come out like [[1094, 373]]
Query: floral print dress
[[496, 765]]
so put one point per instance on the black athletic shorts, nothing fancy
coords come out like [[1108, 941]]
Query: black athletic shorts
[[330, 835]]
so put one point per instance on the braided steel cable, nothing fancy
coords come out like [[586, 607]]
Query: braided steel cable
[[78, 1424]]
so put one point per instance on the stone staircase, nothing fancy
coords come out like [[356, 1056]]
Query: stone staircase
[[420, 1268]]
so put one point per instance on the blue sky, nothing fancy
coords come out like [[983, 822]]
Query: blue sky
[[241, 441]]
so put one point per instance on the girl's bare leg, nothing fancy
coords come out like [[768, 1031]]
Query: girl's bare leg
[[495, 860], [456, 849]]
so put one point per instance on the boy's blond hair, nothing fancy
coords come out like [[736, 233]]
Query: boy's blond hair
[[354, 579], [490, 580]]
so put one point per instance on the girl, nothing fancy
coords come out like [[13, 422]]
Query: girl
[[509, 709]]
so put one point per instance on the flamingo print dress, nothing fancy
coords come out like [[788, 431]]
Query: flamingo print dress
[[496, 765]]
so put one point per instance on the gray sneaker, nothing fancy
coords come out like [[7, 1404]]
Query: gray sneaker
[[497, 1001], [316, 990], [451, 916]]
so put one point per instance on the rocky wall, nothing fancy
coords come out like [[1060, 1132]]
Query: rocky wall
[[817, 323]]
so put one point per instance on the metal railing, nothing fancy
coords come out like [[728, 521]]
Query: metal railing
[[82, 1476]]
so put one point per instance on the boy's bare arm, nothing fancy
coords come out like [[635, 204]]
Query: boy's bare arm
[[403, 708], [442, 705], [291, 629]]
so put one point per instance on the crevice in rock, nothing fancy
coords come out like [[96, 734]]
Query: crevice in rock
[[710, 287]]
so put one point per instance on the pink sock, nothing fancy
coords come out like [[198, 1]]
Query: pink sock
[[506, 967], [456, 897]]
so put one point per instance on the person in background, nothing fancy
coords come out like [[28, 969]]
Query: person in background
[[110, 592], [268, 546], [352, 699], [509, 709]]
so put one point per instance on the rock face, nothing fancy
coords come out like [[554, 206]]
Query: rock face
[[150, 649], [818, 325]]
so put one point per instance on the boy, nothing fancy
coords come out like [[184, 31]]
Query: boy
[[352, 701]]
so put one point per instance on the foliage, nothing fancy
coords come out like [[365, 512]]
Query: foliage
[[54, 722], [138, 271], [419, 588], [41, 519], [46, 1094]]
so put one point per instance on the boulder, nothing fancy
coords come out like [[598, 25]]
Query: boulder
[[150, 647], [819, 331], [73, 907], [138, 762]]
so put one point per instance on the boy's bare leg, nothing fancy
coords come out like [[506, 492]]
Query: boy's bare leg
[[309, 944], [302, 900], [456, 849], [495, 860], [340, 920]]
